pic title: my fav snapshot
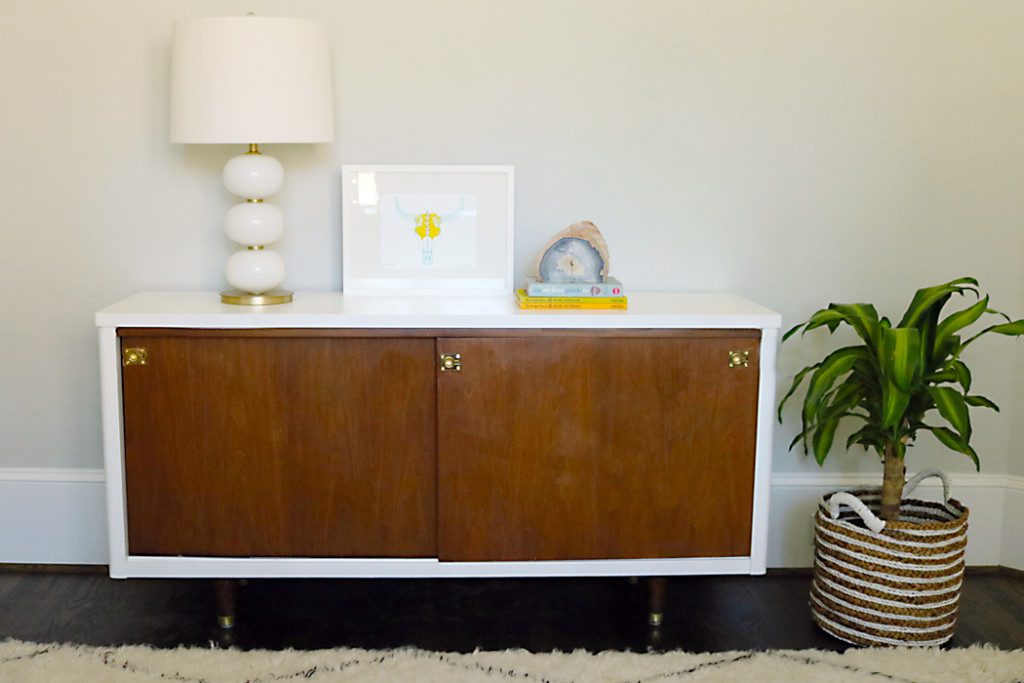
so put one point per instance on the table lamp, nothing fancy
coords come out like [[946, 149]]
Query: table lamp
[[251, 80]]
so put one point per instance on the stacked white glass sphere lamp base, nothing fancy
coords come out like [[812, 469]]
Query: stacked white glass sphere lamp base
[[256, 272]]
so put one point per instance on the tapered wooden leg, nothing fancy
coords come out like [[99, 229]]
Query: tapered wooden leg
[[226, 590], [655, 600]]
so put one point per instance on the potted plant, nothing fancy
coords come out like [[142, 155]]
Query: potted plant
[[895, 579]]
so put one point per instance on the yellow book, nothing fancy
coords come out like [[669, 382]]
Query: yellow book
[[570, 302]]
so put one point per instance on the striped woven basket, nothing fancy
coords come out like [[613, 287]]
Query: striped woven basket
[[888, 583]]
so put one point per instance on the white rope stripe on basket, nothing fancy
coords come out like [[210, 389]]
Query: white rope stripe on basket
[[913, 482], [888, 615], [922, 591], [924, 519], [887, 551], [920, 580], [908, 512], [843, 518], [882, 626], [887, 628], [892, 564], [887, 590], [842, 498], [872, 521], [875, 496], [833, 586], [906, 515], [883, 549], [885, 640], [877, 641]]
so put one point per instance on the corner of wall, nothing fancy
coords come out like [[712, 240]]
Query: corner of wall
[[1012, 545]]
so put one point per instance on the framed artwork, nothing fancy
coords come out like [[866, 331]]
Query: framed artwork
[[427, 230]]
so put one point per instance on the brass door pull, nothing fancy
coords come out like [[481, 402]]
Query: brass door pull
[[451, 362]]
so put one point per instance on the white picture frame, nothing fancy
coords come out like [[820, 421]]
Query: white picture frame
[[427, 230]]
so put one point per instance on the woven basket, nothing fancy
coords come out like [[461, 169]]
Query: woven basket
[[888, 583]]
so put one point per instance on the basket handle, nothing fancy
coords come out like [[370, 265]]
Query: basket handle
[[855, 503], [924, 474]]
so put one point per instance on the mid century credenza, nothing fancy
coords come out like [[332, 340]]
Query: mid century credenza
[[422, 437]]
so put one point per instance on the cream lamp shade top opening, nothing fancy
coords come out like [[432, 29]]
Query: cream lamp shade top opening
[[247, 79]]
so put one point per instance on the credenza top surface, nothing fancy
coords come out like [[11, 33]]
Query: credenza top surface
[[670, 310]]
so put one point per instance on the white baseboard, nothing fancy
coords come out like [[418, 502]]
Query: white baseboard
[[58, 516], [52, 516], [794, 497]]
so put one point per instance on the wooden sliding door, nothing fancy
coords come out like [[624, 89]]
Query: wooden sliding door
[[263, 445], [589, 447]]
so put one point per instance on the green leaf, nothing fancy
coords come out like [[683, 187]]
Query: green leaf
[[796, 440], [861, 317], [1014, 329], [868, 435], [894, 404], [948, 347], [796, 383], [999, 313], [843, 399], [952, 406], [953, 441], [942, 376], [980, 402], [963, 374], [899, 356], [819, 318], [834, 366], [958, 321], [832, 409], [791, 331], [925, 299], [954, 371], [823, 437]]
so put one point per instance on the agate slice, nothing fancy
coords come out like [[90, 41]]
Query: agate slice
[[576, 254]]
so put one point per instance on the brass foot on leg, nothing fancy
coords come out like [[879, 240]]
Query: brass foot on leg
[[225, 590], [655, 600]]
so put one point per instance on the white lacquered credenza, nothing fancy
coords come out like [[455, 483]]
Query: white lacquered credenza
[[421, 437]]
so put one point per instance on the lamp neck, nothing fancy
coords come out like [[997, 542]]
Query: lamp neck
[[253, 148]]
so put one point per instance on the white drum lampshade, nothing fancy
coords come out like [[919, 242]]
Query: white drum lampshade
[[252, 80]]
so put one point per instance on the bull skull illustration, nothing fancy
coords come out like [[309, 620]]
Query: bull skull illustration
[[427, 226]]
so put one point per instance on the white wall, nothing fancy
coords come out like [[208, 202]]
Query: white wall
[[795, 152]]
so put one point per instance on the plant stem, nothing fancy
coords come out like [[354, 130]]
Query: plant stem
[[893, 477]]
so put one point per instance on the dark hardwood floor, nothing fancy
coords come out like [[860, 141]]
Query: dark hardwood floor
[[702, 613]]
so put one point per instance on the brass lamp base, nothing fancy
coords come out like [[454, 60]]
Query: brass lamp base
[[240, 298]]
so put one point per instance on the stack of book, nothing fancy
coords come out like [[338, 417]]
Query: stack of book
[[607, 294]]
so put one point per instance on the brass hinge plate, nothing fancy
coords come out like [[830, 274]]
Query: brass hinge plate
[[739, 359], [134, 355]]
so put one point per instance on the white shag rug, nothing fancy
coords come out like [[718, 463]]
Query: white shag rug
[[35, 663]]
